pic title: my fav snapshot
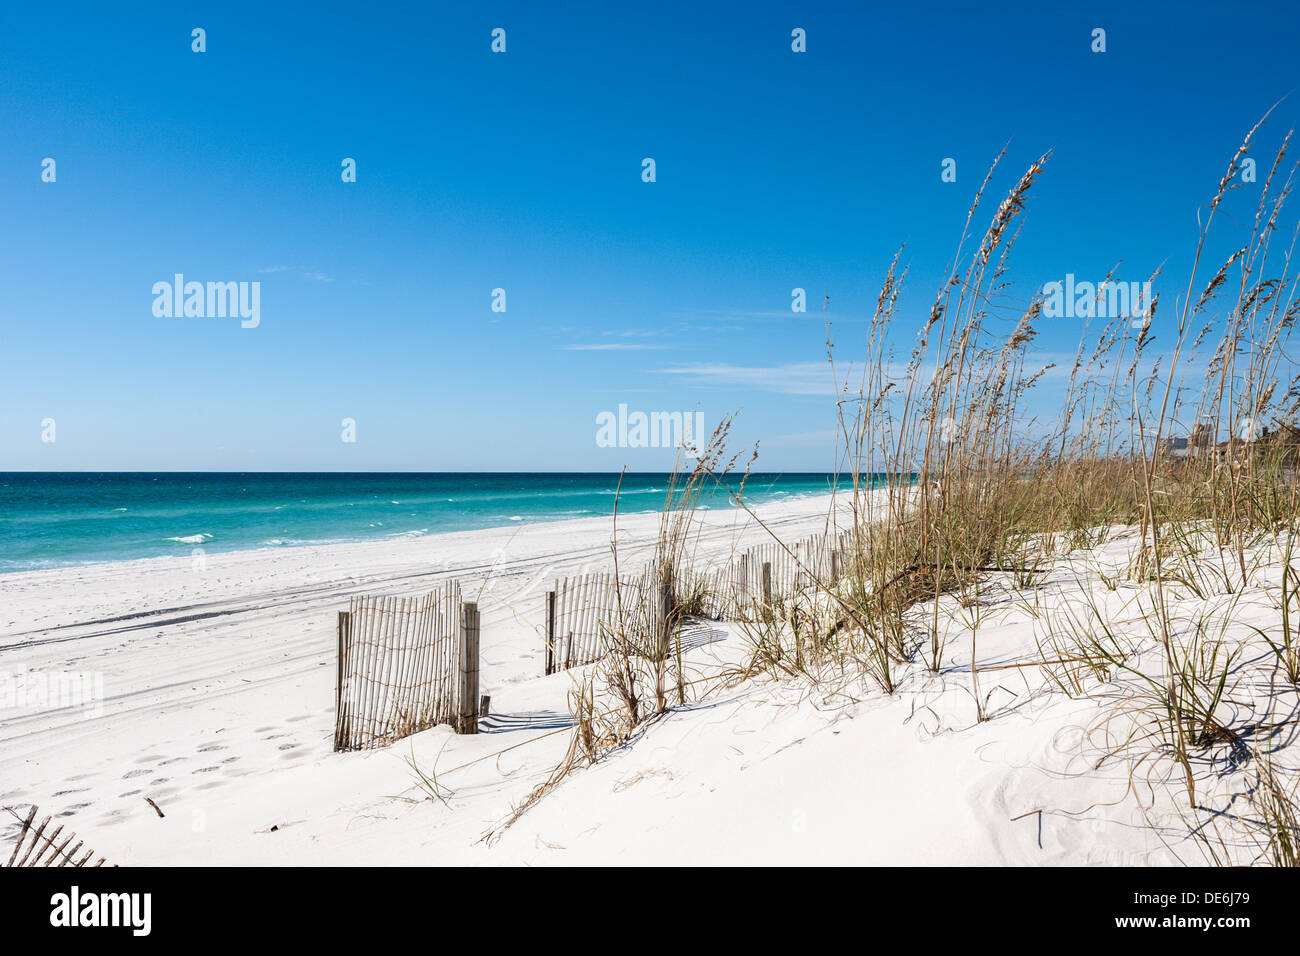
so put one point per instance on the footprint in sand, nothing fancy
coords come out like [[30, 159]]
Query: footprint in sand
[[289, 746], [64, 793], [208, 748], [206, 769], [230, 760], [135, 773], [163, 763], [130, 793]]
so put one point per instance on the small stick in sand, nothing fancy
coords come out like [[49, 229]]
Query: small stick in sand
[[156, 808]]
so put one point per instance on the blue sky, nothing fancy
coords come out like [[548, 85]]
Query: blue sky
[[522, 171]]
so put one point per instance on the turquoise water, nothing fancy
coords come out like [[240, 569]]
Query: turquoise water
[[52, 519]]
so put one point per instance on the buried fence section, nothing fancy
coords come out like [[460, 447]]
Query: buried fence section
[[405, 664], [36, 847], [588, 614]]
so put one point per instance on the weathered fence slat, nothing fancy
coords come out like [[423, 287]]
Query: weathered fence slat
[[550, 632]]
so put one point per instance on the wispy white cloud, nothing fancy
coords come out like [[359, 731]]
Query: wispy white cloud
[[612, 347], [824, 435], [745, 313], [794, 378], [786, 314], [306, 274], [815, 378]]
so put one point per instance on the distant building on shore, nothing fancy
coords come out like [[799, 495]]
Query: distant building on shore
[[1197, 443], [1284, 438]]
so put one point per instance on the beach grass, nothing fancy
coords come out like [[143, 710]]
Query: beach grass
[[952, 487]]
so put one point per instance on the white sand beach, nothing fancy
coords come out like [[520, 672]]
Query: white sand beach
[[218, 679], [218, 706]]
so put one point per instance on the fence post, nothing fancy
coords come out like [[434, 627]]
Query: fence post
[[767, 585], [342, 732], [550, 632], [835, 567], [468, 719]]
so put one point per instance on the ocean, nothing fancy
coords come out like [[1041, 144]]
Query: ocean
[[58, 519]]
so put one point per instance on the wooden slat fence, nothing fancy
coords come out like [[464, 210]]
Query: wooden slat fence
[[37, 847], [824, 556], [408, 663], [586, 612], [583, 612], [405, 664], [720, 583], [767, 573]]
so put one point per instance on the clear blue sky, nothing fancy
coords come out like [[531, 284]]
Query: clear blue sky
[[523, 171]]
